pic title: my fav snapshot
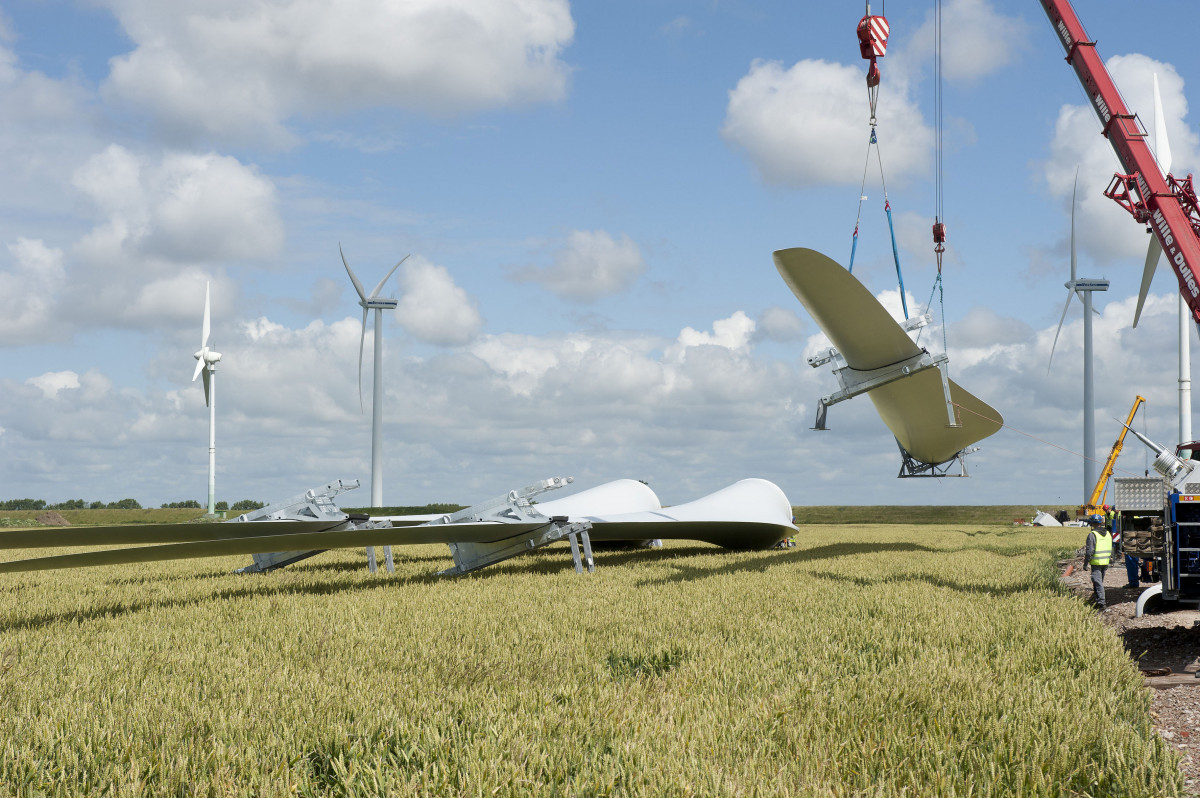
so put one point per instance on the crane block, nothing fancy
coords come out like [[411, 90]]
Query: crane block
[[872, 36]]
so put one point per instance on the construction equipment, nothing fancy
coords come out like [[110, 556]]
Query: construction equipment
[[1099, 498], [1160, 521]]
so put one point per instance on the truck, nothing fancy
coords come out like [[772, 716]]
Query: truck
[[1158, 519]]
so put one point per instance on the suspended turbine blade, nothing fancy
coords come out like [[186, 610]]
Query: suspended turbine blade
[[357, 285], [204, 328], [361, 340], [1066, 307], [1152, 253], [379, 287], [207, 388], [1162, 146]]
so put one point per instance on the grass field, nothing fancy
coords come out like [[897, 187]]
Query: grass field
[[870, 660]]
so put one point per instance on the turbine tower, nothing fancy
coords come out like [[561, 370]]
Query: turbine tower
[[1083, 288], [1162, 153], [206, 364], [374, 302]]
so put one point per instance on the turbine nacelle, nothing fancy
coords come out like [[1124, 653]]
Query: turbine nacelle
[[209, 357], [379, 304]]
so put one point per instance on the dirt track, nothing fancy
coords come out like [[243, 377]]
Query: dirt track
[[1157, 641]]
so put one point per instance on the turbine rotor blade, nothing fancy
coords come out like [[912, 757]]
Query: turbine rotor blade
[[357, 285], [1066, 307], [361, 340], [205, 326], [207, 387], [1152, 254], [1073, 190], [199, 364], [379, 287], [1162, 146]]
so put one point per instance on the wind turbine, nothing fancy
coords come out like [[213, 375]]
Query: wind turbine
[[1083, 288], [1162, 152], [374, 302], [206, 364]]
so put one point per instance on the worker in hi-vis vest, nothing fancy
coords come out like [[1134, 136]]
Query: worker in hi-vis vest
[[1097, 555]]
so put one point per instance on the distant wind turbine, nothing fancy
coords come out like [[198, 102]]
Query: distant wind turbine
[[1083, 288], [373, 301], [206, 365]]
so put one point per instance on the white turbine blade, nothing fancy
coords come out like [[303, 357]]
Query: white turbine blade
[[361, 340], [1066, 307], [357, 285], [199, 365], [205, 327], [379, 287], [207, 388], [1074, 188], [1152, 253], [1162, 146]]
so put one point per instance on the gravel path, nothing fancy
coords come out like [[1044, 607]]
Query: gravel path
[[1166, 646]]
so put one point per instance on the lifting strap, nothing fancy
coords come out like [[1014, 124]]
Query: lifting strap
[[872, 42], [873, 142]]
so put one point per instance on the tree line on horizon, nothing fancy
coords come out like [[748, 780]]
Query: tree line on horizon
[[245, 505]]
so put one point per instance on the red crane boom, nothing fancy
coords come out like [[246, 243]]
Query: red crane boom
[[1167, 205]]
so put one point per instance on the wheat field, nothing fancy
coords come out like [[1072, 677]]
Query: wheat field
[[867, 661]]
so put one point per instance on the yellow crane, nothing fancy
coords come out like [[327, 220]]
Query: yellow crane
[[1096, 502]]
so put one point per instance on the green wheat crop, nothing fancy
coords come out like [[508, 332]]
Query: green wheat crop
[[868, 660]]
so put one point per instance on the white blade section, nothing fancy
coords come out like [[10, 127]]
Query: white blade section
[[1073, 260], [1162, 152], [748, 501], [204, 327], [199, 365], [1066, 307], [207, 386], [1162, 145], [611, 498], [379, 287], [361, 341], [357, 285], [1152, 254]]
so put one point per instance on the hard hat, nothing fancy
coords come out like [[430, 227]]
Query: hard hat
[[1096, 520]]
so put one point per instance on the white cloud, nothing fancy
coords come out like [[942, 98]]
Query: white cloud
[[433, 307], [469, 422], [52, 382], [240, 71], [779, 324], [49, 125], [590, 264], [977, 40], [807, 125], [734, 333], [185, 208], [27, 294]]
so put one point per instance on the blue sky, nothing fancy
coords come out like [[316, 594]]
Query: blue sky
[[591, 193]]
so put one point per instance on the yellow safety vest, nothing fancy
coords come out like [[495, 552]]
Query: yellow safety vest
[[1102, 556]]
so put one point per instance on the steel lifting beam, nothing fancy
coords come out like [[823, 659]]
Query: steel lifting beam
[[855, 382]]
